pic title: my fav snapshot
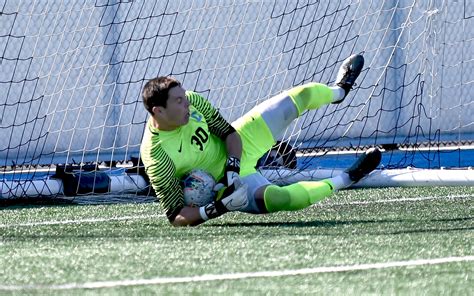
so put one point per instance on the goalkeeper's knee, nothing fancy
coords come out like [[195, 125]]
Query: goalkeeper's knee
[[296, 196]]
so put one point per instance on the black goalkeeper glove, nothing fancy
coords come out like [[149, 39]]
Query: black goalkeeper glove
[[231, 176], [231, 192], [229, 201]]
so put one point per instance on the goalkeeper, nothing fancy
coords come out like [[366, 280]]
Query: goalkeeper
[[184, 132]]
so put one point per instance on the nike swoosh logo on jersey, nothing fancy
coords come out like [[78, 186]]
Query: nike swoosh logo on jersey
[[180, 147]]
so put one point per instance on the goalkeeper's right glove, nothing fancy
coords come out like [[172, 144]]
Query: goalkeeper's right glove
[[234, 199]]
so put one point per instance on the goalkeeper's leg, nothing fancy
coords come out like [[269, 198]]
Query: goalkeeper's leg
[[299, 195], [279, 111], [272, 198]]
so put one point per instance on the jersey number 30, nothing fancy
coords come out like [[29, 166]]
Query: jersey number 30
[[199, 138]]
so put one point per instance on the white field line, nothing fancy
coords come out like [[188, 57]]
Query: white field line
[[88, 220], [323, 204], [238, 276], [397, 200]]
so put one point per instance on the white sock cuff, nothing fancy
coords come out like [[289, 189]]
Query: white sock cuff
[[338, 93], [341, 181]]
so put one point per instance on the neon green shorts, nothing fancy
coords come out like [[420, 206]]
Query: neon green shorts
[[257, 139]]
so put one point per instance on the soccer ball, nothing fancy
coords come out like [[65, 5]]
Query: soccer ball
[[198, 188]]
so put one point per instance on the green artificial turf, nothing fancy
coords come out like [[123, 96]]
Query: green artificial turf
[[71, 249]]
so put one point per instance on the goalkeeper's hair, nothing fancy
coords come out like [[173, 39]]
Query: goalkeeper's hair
[[155, 91]]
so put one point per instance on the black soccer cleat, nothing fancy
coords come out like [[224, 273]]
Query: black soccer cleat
[[366, 163], [348, 73]]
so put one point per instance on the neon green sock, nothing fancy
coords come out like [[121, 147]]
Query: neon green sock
[[296, 196], [310, 96]]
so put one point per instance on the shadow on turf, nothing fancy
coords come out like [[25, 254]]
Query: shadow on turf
[[13, 204], [158, 233], [328, 223]]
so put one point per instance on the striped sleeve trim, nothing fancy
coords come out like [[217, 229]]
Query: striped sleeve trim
[[162, 177]]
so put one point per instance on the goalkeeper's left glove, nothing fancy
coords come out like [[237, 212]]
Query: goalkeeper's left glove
[[231, 174]]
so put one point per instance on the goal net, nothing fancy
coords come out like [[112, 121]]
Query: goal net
[[71, 74]]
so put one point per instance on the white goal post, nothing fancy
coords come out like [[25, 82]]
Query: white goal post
[[71, 74]]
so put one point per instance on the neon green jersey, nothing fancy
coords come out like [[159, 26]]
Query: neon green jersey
[[169, 155]]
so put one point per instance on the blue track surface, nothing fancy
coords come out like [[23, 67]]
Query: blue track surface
[[396, 159]]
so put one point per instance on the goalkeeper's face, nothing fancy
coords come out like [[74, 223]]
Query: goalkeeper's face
[[176, 112]]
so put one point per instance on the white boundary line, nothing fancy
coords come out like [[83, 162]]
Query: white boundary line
[[89, 220], [238, 276], [322, 204], [396, 200]]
